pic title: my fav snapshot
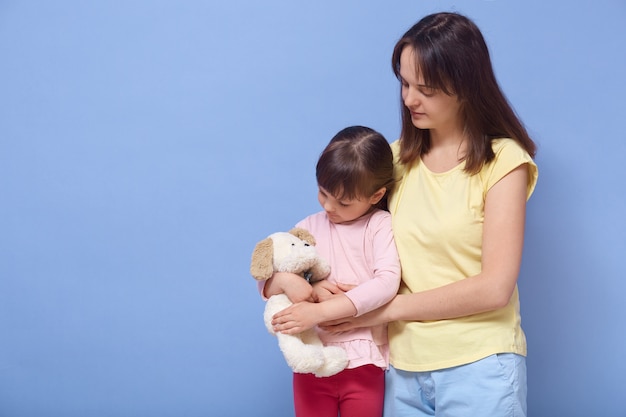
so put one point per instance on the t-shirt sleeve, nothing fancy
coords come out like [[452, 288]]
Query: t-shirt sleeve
[[261, 289], [508, 156]]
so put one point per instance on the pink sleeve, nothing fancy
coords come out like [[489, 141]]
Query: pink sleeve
[[384, 284], [261, 288]]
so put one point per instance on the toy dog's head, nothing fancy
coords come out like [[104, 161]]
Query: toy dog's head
[[287, 252]]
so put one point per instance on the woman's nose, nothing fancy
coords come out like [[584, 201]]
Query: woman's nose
[[411, 97]]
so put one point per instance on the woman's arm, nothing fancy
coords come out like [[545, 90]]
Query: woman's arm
[[305, 315], [503, 238]]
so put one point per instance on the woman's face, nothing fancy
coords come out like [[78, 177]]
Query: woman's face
[[430, 108]]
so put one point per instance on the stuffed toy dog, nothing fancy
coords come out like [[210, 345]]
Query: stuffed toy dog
[[295, 252]]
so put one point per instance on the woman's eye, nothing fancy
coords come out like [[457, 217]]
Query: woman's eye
[[428, 91]]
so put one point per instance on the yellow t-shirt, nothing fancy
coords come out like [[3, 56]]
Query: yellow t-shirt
[[437, 224]]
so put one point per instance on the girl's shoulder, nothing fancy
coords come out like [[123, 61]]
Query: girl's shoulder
[[313, 221], [379, 214], [379, 219]]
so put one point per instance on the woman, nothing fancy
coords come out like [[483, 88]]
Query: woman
[[465, 171]]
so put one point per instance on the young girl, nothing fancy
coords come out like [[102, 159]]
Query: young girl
[[353, 233], [465, 171]]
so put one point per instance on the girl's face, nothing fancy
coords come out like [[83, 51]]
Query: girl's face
[[343, 211], [430, 108]]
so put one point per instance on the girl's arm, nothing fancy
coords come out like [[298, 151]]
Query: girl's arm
[[383, 285], [293, 286], [503, 238]]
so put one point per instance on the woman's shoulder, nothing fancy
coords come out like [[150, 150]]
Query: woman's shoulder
[[508, 147], [399, 169], [395, 146], [395, 150], [509, 154]]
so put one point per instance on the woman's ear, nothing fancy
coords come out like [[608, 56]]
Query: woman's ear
[[378, 195]]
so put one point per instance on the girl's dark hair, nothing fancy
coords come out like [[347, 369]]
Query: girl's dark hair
[[356, 163], [452, 56]]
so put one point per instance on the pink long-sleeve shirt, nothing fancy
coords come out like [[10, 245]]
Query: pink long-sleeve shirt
[[362, 253]]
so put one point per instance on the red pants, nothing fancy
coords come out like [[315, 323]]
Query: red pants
[[357, 392]]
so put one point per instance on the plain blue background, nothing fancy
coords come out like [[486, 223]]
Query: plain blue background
[[146, 146]]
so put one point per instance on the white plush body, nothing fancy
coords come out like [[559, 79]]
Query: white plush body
[[304, 352]]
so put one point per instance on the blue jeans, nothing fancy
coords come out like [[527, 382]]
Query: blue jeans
[[491, 387]]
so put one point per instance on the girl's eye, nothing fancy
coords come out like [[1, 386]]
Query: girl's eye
[[342, 204]]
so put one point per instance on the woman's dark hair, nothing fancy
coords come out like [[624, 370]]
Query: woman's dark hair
[[452, 56], [355, 164]]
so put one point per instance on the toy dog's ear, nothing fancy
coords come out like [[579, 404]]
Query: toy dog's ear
[[304, 235], [262, 264]]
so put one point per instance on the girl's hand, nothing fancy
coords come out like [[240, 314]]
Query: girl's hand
[[345, 287], [324, 290], [296, 318]]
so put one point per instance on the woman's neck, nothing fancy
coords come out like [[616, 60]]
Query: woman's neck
[[446, 150]]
